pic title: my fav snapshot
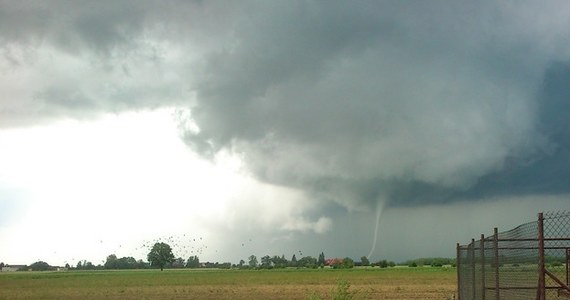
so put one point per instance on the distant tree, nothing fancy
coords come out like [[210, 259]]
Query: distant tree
[[23, 269], [440, 261], [365, 261], [113, 262], [178, 263], [434, 261], [321, 261], [283, 262], [266, 262], [293, 262], [2, 265], [193, 262], [160, 255], [225, 265], [348, 263], [131, 262], [84, 265], [382, 263], [126, 262], [252, 261], [67, 266], [141, 264], [241, 263], [40, 266], [87, 265], [110, 263], [279, 262], [307, 262]]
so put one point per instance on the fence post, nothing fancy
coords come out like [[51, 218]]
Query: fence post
[[541, 293], [482, 246], [458, 266], [473, 269], [496, 246], [567, 267]]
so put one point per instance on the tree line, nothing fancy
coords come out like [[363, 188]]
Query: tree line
[[430, 261], [161, 257]]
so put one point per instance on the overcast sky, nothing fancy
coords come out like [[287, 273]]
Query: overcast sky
[[231, 128]]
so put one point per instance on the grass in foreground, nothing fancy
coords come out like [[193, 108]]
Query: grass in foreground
[[363, 283]]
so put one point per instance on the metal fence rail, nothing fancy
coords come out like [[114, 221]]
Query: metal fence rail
[[530, 261]]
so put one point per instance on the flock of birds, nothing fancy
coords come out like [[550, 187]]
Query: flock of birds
[[183, 246]]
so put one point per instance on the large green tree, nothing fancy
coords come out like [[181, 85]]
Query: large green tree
[[160, 255]]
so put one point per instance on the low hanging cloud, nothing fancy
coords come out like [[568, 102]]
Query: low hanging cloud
[[407, 102]]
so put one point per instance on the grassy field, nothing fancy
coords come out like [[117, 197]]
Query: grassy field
[[365, 283]]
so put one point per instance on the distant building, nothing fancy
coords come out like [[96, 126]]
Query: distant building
[[12, 268], [333, 261]]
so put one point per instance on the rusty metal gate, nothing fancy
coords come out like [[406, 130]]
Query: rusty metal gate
[[530, 261]]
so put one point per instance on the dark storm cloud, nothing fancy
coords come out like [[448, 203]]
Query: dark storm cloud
[[410, 102], [352, 102], [548, 173]]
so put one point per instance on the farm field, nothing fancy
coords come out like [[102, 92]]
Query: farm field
[[365, 283]]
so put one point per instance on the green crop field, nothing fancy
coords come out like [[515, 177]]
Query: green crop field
[[364, 283]]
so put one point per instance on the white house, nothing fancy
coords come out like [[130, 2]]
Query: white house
[[12, 268]]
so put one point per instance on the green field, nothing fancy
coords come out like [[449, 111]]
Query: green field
[[365, 283]]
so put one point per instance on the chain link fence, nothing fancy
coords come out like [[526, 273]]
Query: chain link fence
[[527, 262]]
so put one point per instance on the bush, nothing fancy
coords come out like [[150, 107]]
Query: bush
[[340, 292], [556, 264]]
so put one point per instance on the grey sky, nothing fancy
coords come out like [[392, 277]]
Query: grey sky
[[380, 100], [403, 103]]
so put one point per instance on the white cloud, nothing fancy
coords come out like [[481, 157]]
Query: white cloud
[[105, 186]]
